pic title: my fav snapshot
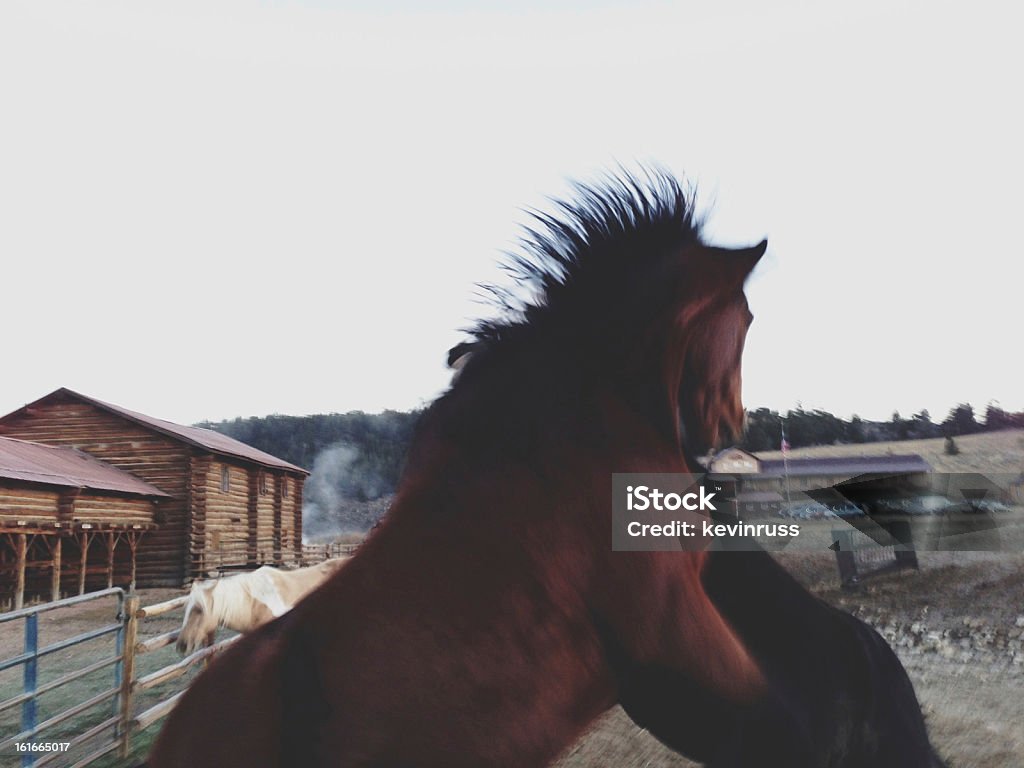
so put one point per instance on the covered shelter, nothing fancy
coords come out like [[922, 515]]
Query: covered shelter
[[57, 504]]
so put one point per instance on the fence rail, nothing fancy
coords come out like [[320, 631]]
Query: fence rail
[[315, 553], [242, 553], [134, 615]]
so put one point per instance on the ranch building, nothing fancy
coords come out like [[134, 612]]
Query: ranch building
[[219, 505], [761, 485], [57, 503]]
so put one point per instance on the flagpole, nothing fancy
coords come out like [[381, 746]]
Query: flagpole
[[785, 463]]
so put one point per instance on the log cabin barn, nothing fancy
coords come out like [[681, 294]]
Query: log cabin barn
[[68, 522], [227, 505], [760, 485]]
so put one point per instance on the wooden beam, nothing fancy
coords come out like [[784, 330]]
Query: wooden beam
[[20, 546], [111, 543], [55, 579], [84, 539], [133, 545]]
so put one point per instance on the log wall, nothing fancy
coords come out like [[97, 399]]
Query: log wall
[[265, 515], [17, 503], [89, 507], [227, 512]]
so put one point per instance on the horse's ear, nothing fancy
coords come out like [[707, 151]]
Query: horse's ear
[[755, 252], [729, 266], [745, 259], [458, 354]]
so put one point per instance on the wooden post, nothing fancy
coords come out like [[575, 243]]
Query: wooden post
[[906, 555], [84, 562], [131, 634], [111, 543], [55, 579], [842, 545], [133, 545], [20, 547]]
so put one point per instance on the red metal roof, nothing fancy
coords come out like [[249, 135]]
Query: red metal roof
[[38, 463], [846, 465], [212, 441]]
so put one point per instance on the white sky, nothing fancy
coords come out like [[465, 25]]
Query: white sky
[[214, 209]]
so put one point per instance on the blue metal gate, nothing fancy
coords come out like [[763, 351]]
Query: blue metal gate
[[36, 752]]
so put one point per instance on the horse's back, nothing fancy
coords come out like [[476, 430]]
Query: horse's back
[[390, 664], [292, 586]]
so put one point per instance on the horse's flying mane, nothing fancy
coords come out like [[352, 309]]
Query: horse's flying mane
[[566, 261]]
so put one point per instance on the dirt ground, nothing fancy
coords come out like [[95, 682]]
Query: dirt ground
[[957, 624], [958, 627]]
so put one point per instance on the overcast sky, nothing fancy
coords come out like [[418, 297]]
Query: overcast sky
[[214, 209]]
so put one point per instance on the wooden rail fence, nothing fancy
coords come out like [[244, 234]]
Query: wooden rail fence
[[116, 731]]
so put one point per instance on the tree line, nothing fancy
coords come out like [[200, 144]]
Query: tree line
[[816, 427], [373, 445]]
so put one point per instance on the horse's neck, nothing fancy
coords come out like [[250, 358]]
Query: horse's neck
[[587, 442], [231, 603]]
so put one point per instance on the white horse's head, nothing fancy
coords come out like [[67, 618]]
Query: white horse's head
[[200, 624]]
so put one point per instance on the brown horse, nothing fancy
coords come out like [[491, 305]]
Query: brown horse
[[487, 622], [838, 697]]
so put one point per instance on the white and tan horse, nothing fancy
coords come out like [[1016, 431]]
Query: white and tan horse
[[246, 600]]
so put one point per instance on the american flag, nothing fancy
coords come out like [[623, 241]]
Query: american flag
[[785, 444]]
